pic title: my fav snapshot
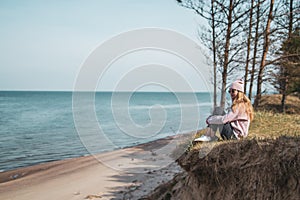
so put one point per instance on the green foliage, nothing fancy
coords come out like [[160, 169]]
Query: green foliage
[[289, 74], [292, 44]]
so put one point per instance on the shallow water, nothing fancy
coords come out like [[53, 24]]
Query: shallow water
[[37, 127]]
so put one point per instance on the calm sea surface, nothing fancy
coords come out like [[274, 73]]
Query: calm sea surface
[[37, 127]]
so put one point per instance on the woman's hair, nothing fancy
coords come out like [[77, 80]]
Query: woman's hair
[[243, 102]]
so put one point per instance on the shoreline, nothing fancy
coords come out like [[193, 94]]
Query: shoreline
[[134, 171], [49, 164], [86, 155]]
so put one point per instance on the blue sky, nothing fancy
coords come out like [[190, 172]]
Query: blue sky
[[44, 43]]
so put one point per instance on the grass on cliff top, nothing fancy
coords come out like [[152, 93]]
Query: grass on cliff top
[[272, 125]]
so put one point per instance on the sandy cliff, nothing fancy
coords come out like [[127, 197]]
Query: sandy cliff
[[249, 169]]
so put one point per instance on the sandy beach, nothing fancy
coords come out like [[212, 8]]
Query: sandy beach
[[128, 173]]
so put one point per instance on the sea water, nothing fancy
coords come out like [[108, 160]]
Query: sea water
[[37, 127]]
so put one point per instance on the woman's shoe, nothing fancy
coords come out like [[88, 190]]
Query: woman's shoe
[[203, 138]]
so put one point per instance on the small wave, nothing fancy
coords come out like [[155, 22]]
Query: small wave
[[143, 107]]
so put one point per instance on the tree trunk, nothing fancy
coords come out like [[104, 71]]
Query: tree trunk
[[291, 18], [285, 78], [226, 56], [248, 46], [284, 94], [214, 52], [255, 49], [264, 56]]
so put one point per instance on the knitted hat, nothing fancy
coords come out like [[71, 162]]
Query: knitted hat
[[238, 85]]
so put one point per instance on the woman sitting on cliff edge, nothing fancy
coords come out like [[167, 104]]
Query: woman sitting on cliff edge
[[235, 124]]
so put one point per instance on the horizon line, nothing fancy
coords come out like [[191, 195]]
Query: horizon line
[[111, 91]]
